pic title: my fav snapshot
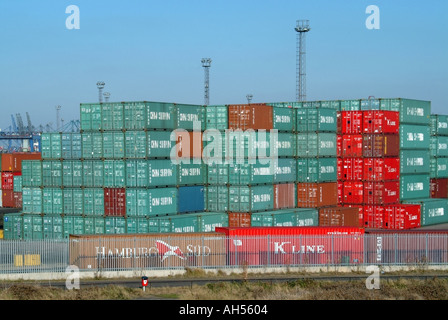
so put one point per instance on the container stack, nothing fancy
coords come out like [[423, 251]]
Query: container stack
[[439, 156]]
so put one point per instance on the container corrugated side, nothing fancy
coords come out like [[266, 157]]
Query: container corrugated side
[[93, 201], [113, 145], [414, 136], [217, 198], [284, 119], [433, 211], [71, 146], [316, 120], [159, 144], [311, 145], [414, 161], [316, 169], [414, 186], [160, 115], [32, 173], [52, 201], [248, 174], [135, 115], [51, 145], [251, 199], [191, 199], [439, 167], [191, 174], [135, 144], [285, 170], [72, 173], [438, 146], [190, 117], [439, 125], [216, 117], [93, 173], [411, 111], [112, 116]]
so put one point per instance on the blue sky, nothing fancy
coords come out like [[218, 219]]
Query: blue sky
[[152, 50]]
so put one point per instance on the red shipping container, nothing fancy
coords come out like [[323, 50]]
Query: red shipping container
[[360, 208], [115, 202], [352, 169], [250, 116], [402, 216], [375, 121], [353, 192], [316, 195], [284, 196], [293, 245], [350, 122], [340, 192], [239, 219], [13, 161], [339, 145], [381, 169], [189, 145], [381, 145], [17, 199], [7, 180], [352, 145], [8, 199], [339, 217], [373, 216], [340, 168], [439, 188], [379, 192]]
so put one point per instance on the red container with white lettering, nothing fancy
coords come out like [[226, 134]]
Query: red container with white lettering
[[381, 169], [375, 121], [352, 145], [353, 192], [373, 216], [402, 216], [7, 180], [350, 122], [115, 202], [293, 245], [352, 169], [380, 193]]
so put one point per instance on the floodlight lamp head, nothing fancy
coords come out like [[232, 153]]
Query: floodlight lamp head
[[100, 84]]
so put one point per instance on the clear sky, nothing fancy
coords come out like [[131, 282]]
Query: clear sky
[[152, 50]]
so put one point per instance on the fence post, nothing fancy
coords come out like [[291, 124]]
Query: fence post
[[202, 251], [395, 248], [269, 252], [332, 249]]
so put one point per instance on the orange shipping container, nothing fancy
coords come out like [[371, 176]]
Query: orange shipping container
[[13, 161], [284, 196], [316, 195], [250, 116], [237, 219], [339, 217]]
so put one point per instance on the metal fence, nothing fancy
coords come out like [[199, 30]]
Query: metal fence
[[165, 252]]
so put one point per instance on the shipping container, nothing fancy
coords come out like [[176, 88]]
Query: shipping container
[[284, 119], [250, 116], [381, 145], [114, 225], [148, 251], [260, 172], [311, 145], [93, 201], [161, 201], [208, 221], [240, 145], [135, 144], [381, 169], [360, 208], [7, 182], [414, 136], [316, 120], [251, 198], [334, 104], [52, 201], [18, 199], [161, 173], [381, 122], [73, 201], [190, 117], [316, 169], [93, 173], [339, 217], [381, 192], [71, 146], [438, 167], [12, 162], [159, 224], [137, 225], [350, 122], [216, 117], [373, 216], [414, 186], [350, 145], [433, 211], [115, 202], [285, 196], [402, 216], [52, 173], [114, 173], [32, 227], [297, 217], [72, 173], [135, 115], [113, 145], [189, 144], [439, 125], [351, 169], [52, 227], [315, 195], [191, 174], [414, 161], [90, 117], [8, 199], [94, 225], [17, 187], [191, 199], [92, 145], [353, 192], [370, 104], [411, 111], [184, 223], [73, 225], [159, 144], [32, 200], [438, 146], [12, 226], [284, 144], [285, 170], [112, 116], [160, 115], [217, 198], [350, 105], [239, 219], [439, 188], [51, 145], [217, 173], [137, 174]]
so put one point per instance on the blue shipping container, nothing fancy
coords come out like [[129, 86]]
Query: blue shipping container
[[191, 199]]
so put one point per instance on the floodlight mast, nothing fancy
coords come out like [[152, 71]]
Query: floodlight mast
[[302, 27], [100, 85], [206, 63]]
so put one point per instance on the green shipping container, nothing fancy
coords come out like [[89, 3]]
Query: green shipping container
[[285, 170], [71, 146], [137, 225], [31, 173], [433, 211], [191, 174], [312, 145], [52, 201], [32, 227], [113, 145], [92, 145], [137, 174], [53, 227], [162, 201], [94, 225], [159, 224], [414, 136], [216, 117], [411, 111], [73, 224], [333, 104], [414, 186], [439, 125], [93, 201], [114, 173], [249, 174], [51, 173], [300, 217], [217, 173], [112, 116], [184, 223], [115, 225], [316, 120], [438, 146], [217, 198], [350, 105], [414, 161], [284, 144], [160, 115], [73, 201], [208, 221], [284, 119], [159, 144], [135, 115], [51, 146], [12, 226], [247, 144], [32, 200], [90, 117], [316, 169], [17, 180], [190, 117], [135, 144], [251, 199], [93, 173], [161, 173], [72, 173], [439, 167]]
